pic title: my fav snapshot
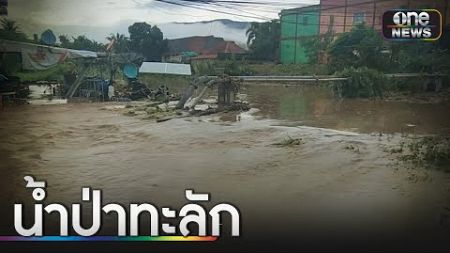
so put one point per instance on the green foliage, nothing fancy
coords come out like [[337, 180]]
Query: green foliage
[[242, 67], [419, 56], [362, 82], [203, 68], [231, 67], [175, 84], [316, 44], [263, 40], [120, 43], [10, 30], [357, 48], [234, 67], [287, 70], [81, 43], [429, 151], [147, 40]]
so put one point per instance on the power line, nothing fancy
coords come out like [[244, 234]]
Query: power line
[[207, 9], [257, 16], [198, 4]]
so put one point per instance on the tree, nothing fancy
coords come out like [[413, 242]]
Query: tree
[[9, 29], [263, 40], [147, 40], [316, 44], [65, 41], [9, 26], [121, 43], [81, 43], [360, 47], [48, 38]]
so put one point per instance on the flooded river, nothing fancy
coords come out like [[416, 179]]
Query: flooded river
[[320, 194], [303, 105]]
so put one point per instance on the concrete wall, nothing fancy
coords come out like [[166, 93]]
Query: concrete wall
[[296, 26]]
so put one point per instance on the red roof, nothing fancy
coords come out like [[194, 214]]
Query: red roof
[[208, 45]]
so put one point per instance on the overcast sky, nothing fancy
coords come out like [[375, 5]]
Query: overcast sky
[[111, 12]]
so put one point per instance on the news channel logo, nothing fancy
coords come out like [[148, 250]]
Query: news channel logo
[[412, 24]]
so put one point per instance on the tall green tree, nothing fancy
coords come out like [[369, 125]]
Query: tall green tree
[[147, 40], [263, 40]]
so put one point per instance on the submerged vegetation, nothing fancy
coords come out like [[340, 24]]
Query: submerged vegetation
[[428, 152], [362, 82], [432, 151], [289, 142]]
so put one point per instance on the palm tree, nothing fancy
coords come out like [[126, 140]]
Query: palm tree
[[120, 42], [251, 32], [8, 25], [263, 39], [10, 30]]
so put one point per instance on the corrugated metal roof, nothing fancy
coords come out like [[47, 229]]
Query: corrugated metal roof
[[204, 45], [166, 68]]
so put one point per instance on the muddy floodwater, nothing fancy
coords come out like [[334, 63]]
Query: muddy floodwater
[[319, 194]]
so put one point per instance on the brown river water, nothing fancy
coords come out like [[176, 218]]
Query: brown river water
[[319, 194]]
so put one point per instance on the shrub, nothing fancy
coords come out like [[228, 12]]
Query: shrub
[[361, 82], [429, 151]]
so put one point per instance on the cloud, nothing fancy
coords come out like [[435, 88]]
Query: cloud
[[107, 12], [34, 16]]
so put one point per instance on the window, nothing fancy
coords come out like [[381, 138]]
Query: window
[[359, 18]]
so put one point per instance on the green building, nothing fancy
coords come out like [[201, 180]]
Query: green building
[[296, 26]]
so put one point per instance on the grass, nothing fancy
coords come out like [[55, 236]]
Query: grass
[[176, 84], [288, 70], [240, 67]]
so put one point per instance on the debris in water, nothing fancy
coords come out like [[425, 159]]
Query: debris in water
[[289, 142]]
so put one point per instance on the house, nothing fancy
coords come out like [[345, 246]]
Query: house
[[201, 48], [339, 16], [297, 25]]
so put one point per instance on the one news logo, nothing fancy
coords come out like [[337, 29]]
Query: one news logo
[[423, 24]]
